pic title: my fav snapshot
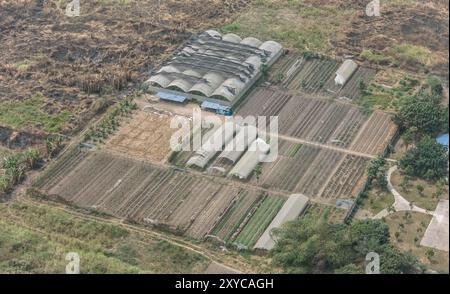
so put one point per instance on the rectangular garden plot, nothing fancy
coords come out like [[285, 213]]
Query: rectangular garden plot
[[312, 119], [303, 73], [145, 135], [258, 222], [185, 203]]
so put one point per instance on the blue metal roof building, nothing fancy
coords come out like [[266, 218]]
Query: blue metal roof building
[[443, 140]]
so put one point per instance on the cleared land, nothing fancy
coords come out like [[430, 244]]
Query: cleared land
[[145, 136], [64, 73]]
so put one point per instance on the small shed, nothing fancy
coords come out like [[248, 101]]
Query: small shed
[[345, 72]]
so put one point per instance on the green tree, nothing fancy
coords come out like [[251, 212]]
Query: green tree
[[428, 160], [350, 269], [311, 245], [422, 113], [376, 170], [392, 261]]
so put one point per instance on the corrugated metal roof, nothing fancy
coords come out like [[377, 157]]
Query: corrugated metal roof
[[291, 209], [171, 97], [222, 67]]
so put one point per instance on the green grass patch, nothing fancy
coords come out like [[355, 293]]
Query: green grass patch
[[29, 112], [297, 25], [414, 54], [36, 239], [377, 58], [379, 96]]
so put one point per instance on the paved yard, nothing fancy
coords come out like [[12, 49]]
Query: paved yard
[[436, 235]]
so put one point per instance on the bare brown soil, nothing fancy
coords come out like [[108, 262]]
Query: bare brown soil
[[421, 24], [109, 48], [145, 136]]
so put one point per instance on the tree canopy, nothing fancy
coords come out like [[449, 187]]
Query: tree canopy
[[428, 160], [309, 245], [423, 112]]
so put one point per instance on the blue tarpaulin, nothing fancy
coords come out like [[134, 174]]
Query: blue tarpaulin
[[443, 139], [170, 97], [215, 106]]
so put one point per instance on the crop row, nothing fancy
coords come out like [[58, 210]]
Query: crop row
[[376, 135], [344, 183], [260, 220], [302, 73], [145, 193], [314, 119], [239, 211]]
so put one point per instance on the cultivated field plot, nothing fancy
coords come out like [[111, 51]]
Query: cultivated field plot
[[313, 119], [145, 136], [316, 75], [300, 73], [330, 214], [299, 169], [375, 135], [237, 215], [348, 179], [258, 222], [139, 191], [322, 121], [352, 89]]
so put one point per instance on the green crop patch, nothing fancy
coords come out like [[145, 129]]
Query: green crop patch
[[31, 113]]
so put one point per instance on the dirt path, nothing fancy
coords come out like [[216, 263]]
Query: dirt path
[[324, 146], [211, 255]]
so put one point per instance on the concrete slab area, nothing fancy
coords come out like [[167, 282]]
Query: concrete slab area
[[436, 235]]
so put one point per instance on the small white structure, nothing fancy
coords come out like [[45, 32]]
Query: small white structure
[[291, 209], [345, 72], [255, 154], [214, 144], [236, 147]]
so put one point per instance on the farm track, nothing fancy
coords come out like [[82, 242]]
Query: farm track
[[209, 254]]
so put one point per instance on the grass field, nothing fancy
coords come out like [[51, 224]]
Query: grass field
[[410, 188], [274, 19], [31, 113], [407, 229], [36, 239], [376, 200]]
